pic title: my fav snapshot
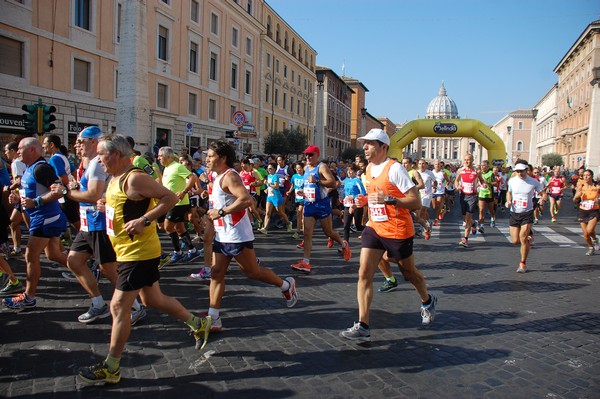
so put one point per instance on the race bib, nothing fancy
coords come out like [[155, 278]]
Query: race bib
[[348, 201], [299, 195], [377, 213], [310, 194], [520, 201], [555, 190], [270, 192], [587, 205], [110, 214], [468, 188], [219, 224], [83, 218]]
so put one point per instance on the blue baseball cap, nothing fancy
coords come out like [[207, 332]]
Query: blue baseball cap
[[91, 132]]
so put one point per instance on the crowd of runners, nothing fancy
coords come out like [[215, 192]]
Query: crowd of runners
[[103, 215]]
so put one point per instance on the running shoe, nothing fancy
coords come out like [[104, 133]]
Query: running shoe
[[165, 258], [493, 222], [353, 228], [481, 229], [535, 221], [263, 230], [176, 257], [301, 245], [428, 312], [296, 236], [201, 333], [346, 251], [427, 230], [591, 252], [474, 228], [522, 268], [441, 215], [192, 256], [11, 289], [290, 227], [464, 242], [16, 252], [530, 239], [595, 244], [4, 279], [553, 219], [96, 272], [202, 275], [301, 266], [69, 277], [19, 302], [388, 286], [357, 333], [217, 324], [555, 210], [436, 222], [291, 296], [94, 314], [137, 315], [330, 243], [99, 374], [259, 224]]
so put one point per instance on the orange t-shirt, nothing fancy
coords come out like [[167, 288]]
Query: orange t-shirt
[[589, 196], [387, 220]]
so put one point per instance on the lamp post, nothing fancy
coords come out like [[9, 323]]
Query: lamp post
[[320, 114], [363, 122], [509, 142]]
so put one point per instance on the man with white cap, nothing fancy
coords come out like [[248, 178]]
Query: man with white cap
[[317, 206], [391, 197], [519, 199]]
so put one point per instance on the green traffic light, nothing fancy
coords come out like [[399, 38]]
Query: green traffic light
[[30, 118], [47, 118]]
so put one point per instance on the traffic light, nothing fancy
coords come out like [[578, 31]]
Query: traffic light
[[31, 117], [48, 118]]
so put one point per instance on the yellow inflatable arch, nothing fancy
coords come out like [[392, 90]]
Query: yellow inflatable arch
[[447, 128]]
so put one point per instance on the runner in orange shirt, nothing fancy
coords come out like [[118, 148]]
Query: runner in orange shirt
[[587, 195]]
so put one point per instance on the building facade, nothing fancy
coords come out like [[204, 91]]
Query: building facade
[[515, 130], [544, 129], [150, 68], [358, 119], [578, 100]]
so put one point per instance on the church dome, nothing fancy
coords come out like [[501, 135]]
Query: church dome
[[442, 107]]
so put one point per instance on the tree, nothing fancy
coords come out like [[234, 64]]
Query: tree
[[286, 142], [552, 159], [351, 153]]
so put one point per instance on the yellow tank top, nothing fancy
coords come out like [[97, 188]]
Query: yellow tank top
[[119, 210]]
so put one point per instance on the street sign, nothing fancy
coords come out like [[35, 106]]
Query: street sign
[[189, 128], [238, 118], [247, 127]]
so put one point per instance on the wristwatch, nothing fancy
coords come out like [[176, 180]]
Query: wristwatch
[[221, 212], [65, 190], [146, 221]]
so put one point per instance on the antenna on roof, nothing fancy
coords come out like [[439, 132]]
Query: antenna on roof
[[344, 68]]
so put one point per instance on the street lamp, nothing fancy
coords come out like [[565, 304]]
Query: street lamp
[[363, 123], [509, 143], [320, 114]]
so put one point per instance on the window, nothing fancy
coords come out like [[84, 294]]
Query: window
[[267, 93], [214, 23], [249, 7], [81, 75], [248, 46], [165, 1], [268, 60], [82, 14], [292, 104], [195, 11], [212, 72], [212, 109], [11, 57], [163, 36], [519, 145], [161, 96], [192, 104], [284, 101], [193, 57], [292, 75], [277, 66], [248, 89], [234, 76], [232, 109], [520, 125], [276, 97], [234, 37], [285, 71], [119, 16]]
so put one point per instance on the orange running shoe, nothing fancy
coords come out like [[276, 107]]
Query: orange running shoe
[[301, 266], [346, 251], [330, 243]]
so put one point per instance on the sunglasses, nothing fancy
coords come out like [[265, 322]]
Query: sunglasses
[[309, 154]]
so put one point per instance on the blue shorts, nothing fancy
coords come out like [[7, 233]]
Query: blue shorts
[[275, 200], [53, 229], [437, 195], [318, 210], [231, 249]]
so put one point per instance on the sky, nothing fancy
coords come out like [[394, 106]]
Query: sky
[[493, 56]]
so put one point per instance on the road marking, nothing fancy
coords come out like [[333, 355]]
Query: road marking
[[505, 232], [472, 237], [555, 237]]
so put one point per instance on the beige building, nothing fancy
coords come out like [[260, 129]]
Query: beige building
[[288, 78], [180, 68], [358, 119], [544, 129], [515, 130], [578, 101]]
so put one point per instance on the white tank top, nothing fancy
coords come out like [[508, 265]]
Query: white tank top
[[234, 227]]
